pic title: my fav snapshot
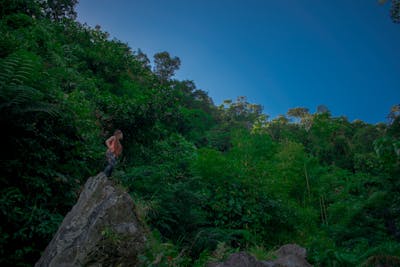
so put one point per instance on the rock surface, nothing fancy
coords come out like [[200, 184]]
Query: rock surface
[[239, 259], [100, 230], [290, 255]]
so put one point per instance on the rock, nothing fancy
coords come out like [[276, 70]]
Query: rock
[[290, 255], [240, 259], [100, 230], [291, 261], [291, 249]]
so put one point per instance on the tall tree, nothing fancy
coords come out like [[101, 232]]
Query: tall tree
[[165, 65], [299, 112]]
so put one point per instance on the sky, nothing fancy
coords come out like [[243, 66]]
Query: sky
[[281, 54]]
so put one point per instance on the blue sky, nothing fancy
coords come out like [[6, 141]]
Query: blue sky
[[280, 54]]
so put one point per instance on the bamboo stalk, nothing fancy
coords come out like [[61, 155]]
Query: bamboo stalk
[[307, 181], [324, 209], [322, 212]]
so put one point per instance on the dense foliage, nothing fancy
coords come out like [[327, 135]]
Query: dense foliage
[[206, 179]]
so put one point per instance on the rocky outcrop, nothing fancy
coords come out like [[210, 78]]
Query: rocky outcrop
[[290, 255], [100, 230]]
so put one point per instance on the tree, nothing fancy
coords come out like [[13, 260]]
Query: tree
[[28, 7], [394, 10], [165, 66], [59, 9], [322, 109], [300, 113], [143, 59], [394, 115], [241, 112], [52, 9]]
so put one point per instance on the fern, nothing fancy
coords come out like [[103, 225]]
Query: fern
[[18, 68], [17, 96], [381, 260], [13, 96]]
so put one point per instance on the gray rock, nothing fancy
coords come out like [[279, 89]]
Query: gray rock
[[291, 249], [100, 230], [291, 261], [290, 255], [240, 259]]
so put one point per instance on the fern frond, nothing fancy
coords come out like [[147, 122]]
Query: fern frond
[[19, 94], [16, 95], [49, 109], [21, 99], [17, 68]]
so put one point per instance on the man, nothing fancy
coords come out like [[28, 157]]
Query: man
[[114, 150]]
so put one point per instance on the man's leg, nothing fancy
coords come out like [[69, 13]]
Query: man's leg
[[111, 160], [108, 170]]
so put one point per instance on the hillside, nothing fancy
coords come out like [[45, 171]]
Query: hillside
[[207, 180]]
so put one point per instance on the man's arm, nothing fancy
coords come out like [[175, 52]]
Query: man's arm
[[109, 141]]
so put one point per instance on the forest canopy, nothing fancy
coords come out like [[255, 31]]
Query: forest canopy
[[208, 178]]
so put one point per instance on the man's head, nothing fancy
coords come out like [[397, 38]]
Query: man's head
[[118, 134]]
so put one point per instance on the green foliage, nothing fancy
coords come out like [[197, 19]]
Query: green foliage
[[207, 180], [221, 252], [165, 66], [240, 113], [159, 253], [290, 170], [235, 193], [394, 10], [53, 9], [261, 254], [38, 185], [28, 7]]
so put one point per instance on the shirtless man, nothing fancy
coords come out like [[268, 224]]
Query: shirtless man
[[114, 150]]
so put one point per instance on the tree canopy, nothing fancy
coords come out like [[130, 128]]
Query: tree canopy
[[207, 179]]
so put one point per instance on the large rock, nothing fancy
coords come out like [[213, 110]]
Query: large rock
[[100, 230], [239, 259], [290, 255]]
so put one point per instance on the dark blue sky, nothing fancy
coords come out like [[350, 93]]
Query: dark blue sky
[[280, 54]]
